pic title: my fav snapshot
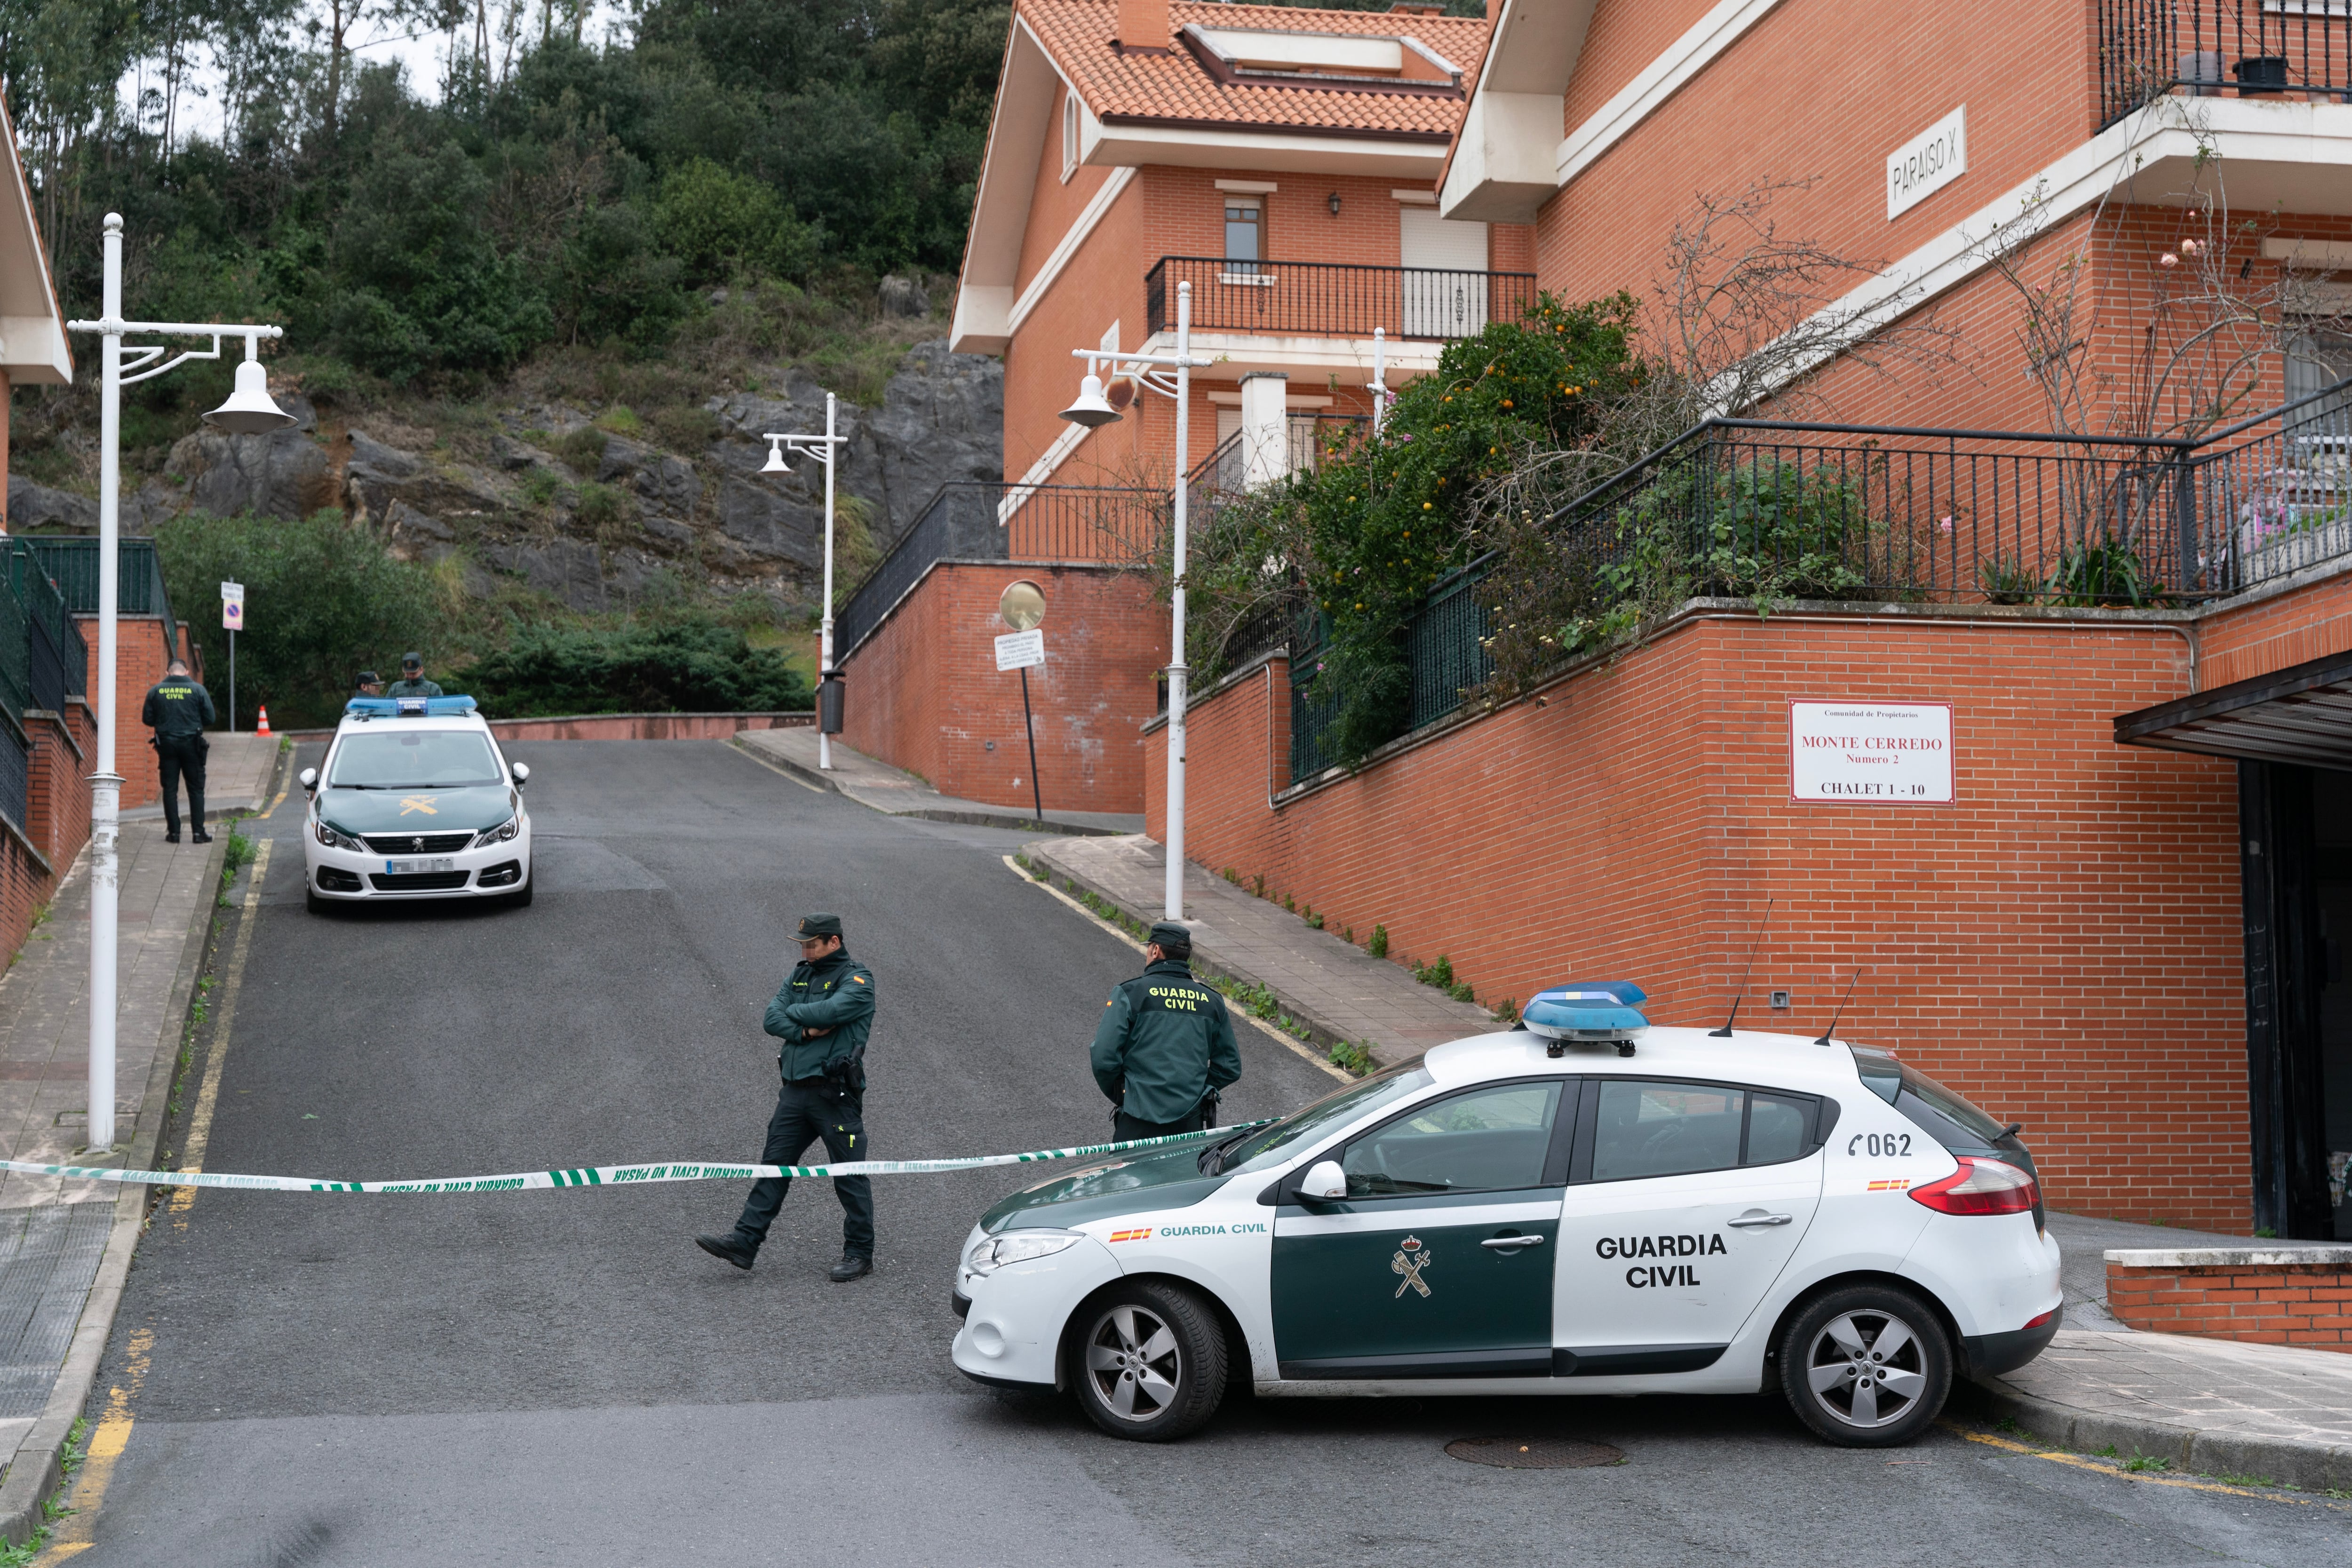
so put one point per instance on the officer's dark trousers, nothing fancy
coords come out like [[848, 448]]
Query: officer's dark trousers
[[182, 757], [1125, 1127], [807, 1110]]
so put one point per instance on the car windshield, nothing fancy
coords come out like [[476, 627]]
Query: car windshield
[[1265, 1147], [414, 758]]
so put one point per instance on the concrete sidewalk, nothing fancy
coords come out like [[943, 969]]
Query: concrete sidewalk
[[237, 771], [2216, 1406], [65, 1246], [897, 792], [1340, 993]]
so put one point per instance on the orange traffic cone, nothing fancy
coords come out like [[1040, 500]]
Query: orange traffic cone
[[264, 727]]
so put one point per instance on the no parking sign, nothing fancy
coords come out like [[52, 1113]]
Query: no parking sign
[[233, 606]]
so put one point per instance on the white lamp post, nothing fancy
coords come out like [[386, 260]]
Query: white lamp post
[[249, 412], [1092, 410], [821, 447]]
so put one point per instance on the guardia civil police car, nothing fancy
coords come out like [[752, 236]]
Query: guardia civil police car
[[415, 801], [1585, 1204]]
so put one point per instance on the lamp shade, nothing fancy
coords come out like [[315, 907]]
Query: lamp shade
[[1091, 409], [249, 410], [775, 463]]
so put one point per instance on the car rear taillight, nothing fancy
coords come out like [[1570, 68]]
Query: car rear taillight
[[2037, 1322], [1981, 1186]]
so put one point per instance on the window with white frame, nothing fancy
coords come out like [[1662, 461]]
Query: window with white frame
[[1069, 133], [1244, 235]]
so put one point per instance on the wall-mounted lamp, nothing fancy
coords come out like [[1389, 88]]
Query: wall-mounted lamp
[[1335, 204]]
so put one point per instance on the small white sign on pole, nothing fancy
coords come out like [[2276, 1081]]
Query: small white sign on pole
[[1871, 752], [233, 606], [1019, 650]]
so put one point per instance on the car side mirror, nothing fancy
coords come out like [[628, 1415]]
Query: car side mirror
[[522, 774], [1324, 1180], [309, 779]]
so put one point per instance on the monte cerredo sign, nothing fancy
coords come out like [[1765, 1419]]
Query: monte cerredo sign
[[1871, 752]]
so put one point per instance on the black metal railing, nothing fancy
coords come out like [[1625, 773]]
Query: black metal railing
[[1222, 477], [2207, 47], [1751, 509], [60, 659], [1321, 299], [985, 521]]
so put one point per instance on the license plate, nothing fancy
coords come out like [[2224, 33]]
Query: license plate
[[410, 867]]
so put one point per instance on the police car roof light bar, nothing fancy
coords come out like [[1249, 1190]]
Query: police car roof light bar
[[1830, 1032], [411, 707], [1602, 1012], [1724, 1032]]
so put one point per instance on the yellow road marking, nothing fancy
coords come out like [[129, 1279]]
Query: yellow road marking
[[278, 800], [75, 1533], [2110, 1468], [1342, 1074], [200, 1120]]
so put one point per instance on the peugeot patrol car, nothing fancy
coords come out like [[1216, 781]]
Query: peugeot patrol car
[[415, 801], [1584, 1205]]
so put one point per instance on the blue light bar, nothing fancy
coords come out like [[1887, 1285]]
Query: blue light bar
[[413, 707], [1587, 1010]]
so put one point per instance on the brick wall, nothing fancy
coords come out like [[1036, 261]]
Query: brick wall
[[2290, 1296], [2285, 629], [2062, 944], [35, 854], [925, 693]]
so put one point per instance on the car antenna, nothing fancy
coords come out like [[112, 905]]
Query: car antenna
[[1724, 1032], [1832, 1030]]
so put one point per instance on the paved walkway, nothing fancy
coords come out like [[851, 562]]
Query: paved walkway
[[65, 1246], [237, 771], [1334, 988], [899, 794], [2214, 1406]]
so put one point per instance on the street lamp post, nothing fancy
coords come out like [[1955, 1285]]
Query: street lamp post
[[249, 412], [1092, 410], [823, 449]]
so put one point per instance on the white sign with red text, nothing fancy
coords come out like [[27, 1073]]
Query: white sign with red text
[[1871, 754]]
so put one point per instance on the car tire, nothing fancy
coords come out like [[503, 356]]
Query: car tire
[[312, 901], [521, 898], [1868, 1366], [1149, 1360]]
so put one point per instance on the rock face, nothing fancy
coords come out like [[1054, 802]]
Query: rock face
[[904, 296], [284, 474], [32, 506]]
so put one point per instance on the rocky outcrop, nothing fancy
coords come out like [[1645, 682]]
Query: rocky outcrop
[[284, 474], [33, 507], [402, 491]]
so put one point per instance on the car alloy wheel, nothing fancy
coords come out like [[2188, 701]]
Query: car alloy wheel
[[1868, 1366], [1149, 1360]]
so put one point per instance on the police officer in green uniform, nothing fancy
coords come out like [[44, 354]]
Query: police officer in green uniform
[[412, 681], [822, 1014], [1165, 1046], [177, 708]]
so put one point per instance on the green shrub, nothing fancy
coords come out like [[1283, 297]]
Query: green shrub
[[682, 663], [1378, 945], [687, 429], [602, 507], [323, 600], [583, 448], [717, 223]]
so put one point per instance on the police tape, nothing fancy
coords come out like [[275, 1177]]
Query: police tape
[[605, 1175]]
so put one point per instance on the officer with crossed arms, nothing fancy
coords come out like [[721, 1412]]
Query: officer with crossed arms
[[1165, 1046]]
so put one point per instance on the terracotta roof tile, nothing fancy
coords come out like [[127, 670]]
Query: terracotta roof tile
[[1177, 86]]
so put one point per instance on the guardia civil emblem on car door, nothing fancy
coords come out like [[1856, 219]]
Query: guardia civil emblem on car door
[[1410, 1259]]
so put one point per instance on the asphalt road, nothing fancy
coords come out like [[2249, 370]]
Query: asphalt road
[[561, 1377]]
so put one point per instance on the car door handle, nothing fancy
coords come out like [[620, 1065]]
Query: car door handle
[[1503, 1243], [1749, 1221]]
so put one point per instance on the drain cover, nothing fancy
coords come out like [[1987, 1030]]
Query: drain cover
[[1534, 1453]]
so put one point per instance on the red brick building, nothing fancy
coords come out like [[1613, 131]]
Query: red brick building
[[1283, 163]]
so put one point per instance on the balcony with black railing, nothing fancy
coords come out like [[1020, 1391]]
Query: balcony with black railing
[[1330, 300], [2294, 49]]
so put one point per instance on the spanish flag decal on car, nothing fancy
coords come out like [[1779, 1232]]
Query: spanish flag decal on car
[[1896, 1185], [1142, 1234]]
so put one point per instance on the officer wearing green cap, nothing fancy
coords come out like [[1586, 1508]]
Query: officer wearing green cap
[[1165, 1046], [822, 1014]]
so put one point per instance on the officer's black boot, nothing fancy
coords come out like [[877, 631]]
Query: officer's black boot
[[726, 1248], [852, 1266]]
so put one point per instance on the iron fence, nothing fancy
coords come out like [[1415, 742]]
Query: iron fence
[[15, 774], [988, 522], [1322, 299], [1751, 509], [60, 658], [2207, 47]]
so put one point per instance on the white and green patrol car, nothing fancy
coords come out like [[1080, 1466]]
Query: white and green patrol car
[[415, 800], [1585, 1204]]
